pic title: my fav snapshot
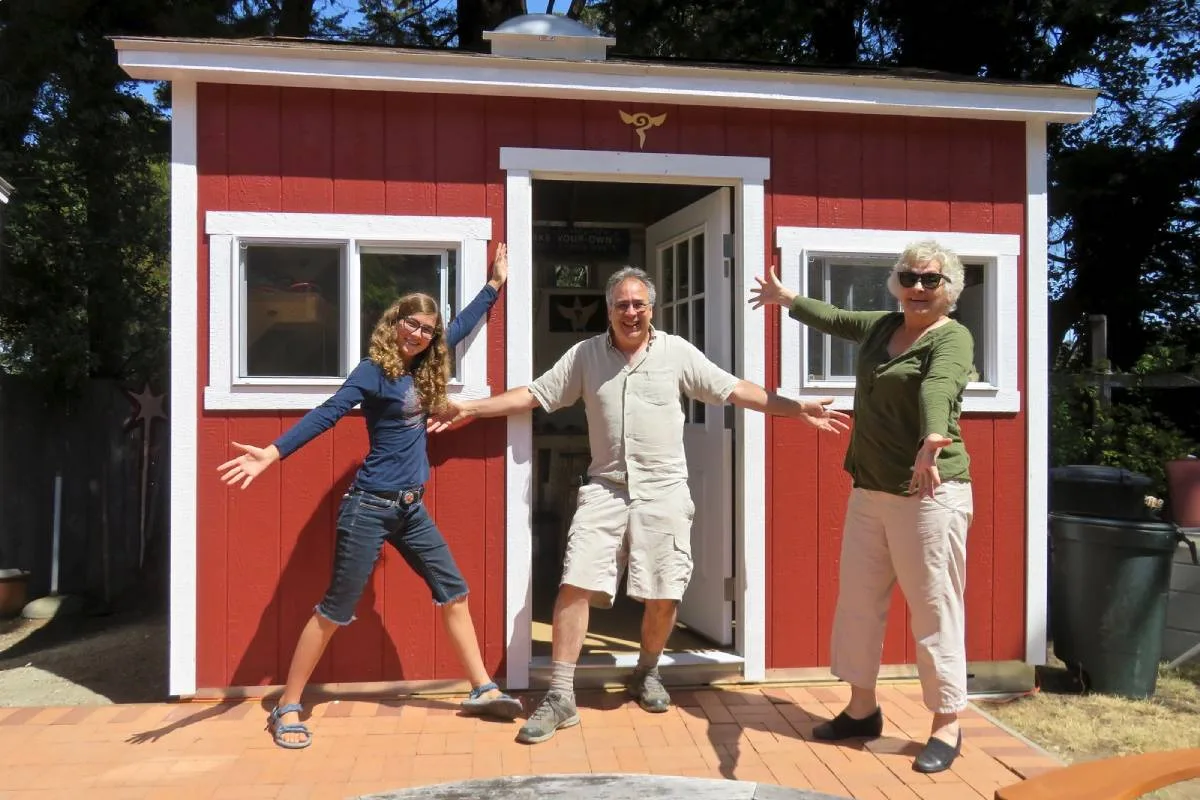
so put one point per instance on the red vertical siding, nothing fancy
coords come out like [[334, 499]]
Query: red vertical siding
[[264, 554], [802, 549], [307, 516], [212, 135], [1008, 595]]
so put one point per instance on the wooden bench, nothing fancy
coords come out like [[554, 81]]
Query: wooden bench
[[1122, 778]]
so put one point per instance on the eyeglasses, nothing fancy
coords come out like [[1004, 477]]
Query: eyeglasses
[[412, 326], [638, 306], [929, 280]]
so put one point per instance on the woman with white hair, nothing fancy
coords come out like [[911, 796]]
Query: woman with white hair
[[910, 507]]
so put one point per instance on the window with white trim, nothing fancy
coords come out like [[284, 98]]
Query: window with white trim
[[849, 268], [294, 298]]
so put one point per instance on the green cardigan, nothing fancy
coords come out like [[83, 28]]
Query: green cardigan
[[899, 401]]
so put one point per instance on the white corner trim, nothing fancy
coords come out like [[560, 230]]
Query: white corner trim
[[522, 165], [750, 359], [1037, 392], [226, 230], [610, 164], [314, 65], [1000, 251], [518, 543], [185, 319], [367, 228]]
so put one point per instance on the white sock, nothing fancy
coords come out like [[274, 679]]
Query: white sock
[[562, 680]]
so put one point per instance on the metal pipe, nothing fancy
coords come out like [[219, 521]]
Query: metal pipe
[[57, 533]]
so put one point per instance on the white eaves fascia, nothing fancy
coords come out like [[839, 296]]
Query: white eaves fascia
[[315, 65]]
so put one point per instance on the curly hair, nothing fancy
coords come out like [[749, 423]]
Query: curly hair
[[430, 369]]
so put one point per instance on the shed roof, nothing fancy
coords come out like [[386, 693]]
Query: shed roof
[[348, 65], [6, 190]]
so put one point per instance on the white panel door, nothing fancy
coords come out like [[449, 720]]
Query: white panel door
[[687, 254]]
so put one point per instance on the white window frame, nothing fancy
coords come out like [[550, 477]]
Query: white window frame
[[228, 230], [998, 252]]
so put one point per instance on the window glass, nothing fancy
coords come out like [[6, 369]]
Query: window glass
[[293, 320], [388, 275], [859, 283]]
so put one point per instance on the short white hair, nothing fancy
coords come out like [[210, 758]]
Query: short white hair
[[926, 252]]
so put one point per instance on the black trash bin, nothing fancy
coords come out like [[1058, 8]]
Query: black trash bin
[[1095, 491], [1099, 491], [1109, 584]]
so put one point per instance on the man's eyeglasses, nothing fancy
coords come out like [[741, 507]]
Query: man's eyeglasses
[[929, 280], [412, 326], [625, 305]]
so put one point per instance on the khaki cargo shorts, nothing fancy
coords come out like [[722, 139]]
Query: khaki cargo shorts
[[610, 532]]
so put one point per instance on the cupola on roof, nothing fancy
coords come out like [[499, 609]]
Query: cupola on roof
[[548, 36]]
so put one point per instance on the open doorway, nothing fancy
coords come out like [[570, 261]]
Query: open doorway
[[582, 233]]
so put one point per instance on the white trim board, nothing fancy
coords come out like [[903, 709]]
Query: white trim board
[[1037, 393], [1000, 251], [225, 229], [522, 165], [316, 65], [184, 390]]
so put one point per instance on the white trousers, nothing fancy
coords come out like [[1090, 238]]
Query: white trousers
[[922, 542]]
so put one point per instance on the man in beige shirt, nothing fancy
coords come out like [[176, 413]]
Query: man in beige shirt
[[635, 511]]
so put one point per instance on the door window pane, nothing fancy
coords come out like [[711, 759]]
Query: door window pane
[[667, 260], [293, 320], [698, 264]]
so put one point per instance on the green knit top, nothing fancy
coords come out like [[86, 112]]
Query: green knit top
[[899, 401]]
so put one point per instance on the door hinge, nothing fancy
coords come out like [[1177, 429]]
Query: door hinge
[[727, 245], [730, 412], [731, 589]]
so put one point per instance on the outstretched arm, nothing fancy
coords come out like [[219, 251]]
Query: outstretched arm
[[473, 313], [826, 318], [815, 412], [514, 401]]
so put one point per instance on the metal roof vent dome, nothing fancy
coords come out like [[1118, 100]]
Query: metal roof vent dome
[[548, 36]]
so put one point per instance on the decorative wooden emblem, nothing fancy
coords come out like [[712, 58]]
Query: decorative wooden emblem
[[641, 123]]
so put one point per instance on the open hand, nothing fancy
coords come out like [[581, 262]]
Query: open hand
[[500, 266], [249, 465], [770, 292], [925, 477], [452, 416], [818, 414]]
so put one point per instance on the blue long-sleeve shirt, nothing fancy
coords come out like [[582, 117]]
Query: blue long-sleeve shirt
[[392, 408]]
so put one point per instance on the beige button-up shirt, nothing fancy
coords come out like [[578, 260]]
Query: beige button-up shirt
[[635, 418]]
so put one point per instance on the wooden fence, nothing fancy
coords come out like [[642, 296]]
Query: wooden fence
[[110, 448]]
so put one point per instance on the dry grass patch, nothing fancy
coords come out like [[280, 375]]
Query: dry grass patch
[[1080, 727]]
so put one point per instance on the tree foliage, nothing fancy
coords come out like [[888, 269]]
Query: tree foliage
[[85, 262]]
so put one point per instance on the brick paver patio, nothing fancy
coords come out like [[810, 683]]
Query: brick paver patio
[[207, 750]]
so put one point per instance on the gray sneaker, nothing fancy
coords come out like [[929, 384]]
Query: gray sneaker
[[557, 710], [647, 687]]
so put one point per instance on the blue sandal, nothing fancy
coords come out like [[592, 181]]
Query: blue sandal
[[503, 706], [278, 729]]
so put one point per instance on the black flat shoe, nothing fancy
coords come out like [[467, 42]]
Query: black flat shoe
[[844, 726], [937, 756]]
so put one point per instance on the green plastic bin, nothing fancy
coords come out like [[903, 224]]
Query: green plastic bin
[[1108, 586]]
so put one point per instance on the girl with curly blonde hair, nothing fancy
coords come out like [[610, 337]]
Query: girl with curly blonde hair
[[398, 385]]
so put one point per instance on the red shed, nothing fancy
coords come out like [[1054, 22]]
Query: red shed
[[312, 182]]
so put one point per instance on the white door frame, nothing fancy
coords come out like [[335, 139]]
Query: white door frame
[[746, 175]]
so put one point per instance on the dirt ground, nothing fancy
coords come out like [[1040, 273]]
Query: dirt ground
[[83, 660], [1076, 727]]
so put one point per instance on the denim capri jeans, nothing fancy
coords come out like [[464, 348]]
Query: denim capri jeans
[[365, 521]]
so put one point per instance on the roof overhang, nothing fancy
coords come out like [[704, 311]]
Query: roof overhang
[[341, 66], [6, 190]]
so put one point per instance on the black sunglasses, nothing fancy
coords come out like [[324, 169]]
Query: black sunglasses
[[929, 280]]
